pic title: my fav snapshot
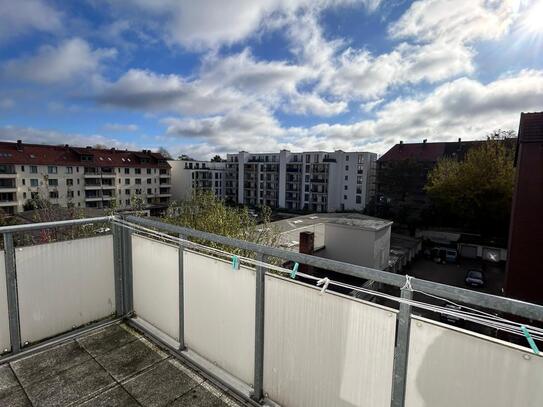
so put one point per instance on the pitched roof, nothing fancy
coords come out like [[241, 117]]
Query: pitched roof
[[38, 154], [427, 151]]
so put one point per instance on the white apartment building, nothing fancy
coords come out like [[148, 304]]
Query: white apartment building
[[317, 181], [191, 175], [81, 177]]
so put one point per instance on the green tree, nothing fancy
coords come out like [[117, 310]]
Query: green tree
[[207, 213], [477, 192], [216, 159]]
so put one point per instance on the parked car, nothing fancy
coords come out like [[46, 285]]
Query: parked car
[[444, 255], [451, 319], [475, 278]]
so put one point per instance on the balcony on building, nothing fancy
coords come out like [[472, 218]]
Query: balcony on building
[[121, 311], [92, 183], [92, 172], [7, 171], [8, 185]]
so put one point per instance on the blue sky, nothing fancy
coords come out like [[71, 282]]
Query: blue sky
[[211, 77]]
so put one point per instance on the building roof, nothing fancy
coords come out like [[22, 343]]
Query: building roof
[[41, 154], [427, 151], [347, 219]]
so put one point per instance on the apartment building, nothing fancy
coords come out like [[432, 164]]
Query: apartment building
[[190, 176], [317, 181], [81, 177]]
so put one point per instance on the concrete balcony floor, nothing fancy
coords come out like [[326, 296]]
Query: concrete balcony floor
[[114, 366]]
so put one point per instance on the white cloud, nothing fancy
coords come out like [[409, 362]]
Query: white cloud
[[211, 23], [39, 136], [71, 59], [455, 21], [463, 108], [126, 128], [22, 16], [145, 90]]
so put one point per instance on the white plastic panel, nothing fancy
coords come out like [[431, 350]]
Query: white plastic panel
[[220, 312], [155, 268], [326, 350], [4, 319], [449, 368], [64, 285]]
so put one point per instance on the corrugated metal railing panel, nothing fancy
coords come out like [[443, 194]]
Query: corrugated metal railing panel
[[155, 268], [449, 367], [220, 312], [4, 319], [326, 350], [64, 285]]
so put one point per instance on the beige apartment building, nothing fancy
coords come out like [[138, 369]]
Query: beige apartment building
[[81, 177]]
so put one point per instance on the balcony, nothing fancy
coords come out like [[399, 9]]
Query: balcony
[[115, 317]]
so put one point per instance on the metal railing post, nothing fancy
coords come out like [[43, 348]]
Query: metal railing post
[[181, 298], [118, 267], [12, 293], [401, 350], [128, 293], [258, 385]]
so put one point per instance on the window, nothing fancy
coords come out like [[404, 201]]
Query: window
[[52, 169], [127, 202], [70, 182], [346, 178], [53, 194], [22, 168], [346, 168], [69, 170], [53, 182], [24, 195], [344, 197], [33, 169], [307, 158], [127, 170], [358, 179], [127, 181], [78, 193], [149, 180], [127, 191], [78, 181], [138, 181], [345, 187], [346, 158], [33, 182], [24, 181], [360, 159], [138, 191], [70, 194], [149, 191], [138, 170], [358, 199], [148, 171]]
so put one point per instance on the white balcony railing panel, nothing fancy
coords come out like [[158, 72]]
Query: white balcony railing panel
[[326, 350], [155, 268], [220, 312], [449, 367], [63, 285], [5, 343]]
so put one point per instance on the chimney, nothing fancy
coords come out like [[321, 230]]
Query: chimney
[[459, 140], [306, 246], [19, 145], [424, 143]]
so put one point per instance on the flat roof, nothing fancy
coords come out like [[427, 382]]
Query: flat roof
[[355, 220]]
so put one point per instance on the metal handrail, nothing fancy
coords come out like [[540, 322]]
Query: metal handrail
[[502, 304]]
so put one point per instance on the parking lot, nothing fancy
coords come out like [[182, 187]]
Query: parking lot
[[455, 274]]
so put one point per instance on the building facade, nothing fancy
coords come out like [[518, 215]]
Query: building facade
[[190, 176], [81, 177], [524, 277], [316, 181]]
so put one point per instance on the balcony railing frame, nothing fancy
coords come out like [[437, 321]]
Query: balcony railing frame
[[122, 252]]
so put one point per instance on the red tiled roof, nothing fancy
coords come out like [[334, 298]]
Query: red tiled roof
[[423, 151], [38, 154]]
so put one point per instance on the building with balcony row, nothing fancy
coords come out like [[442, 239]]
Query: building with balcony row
[[316, 181], [81, 177]]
